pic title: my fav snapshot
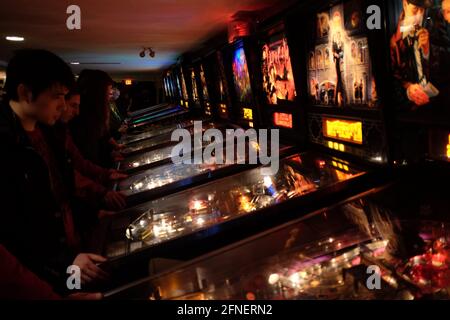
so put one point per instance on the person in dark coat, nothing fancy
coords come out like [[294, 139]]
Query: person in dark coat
[[37, 177]]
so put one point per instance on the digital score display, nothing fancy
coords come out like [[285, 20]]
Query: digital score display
[[343, 130], [208, 109], [448, 147], [247, 114], [223, 108], [282, 120]]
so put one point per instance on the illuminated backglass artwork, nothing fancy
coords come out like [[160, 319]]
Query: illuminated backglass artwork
[[241, 76], [340, 69], [278, 78]]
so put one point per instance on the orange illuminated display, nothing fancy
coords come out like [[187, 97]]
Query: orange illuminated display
[[344, 130], [128, 82], [208, 109], [336, 146], [282, 119], [223, 108], [248, 113], [448, 147]]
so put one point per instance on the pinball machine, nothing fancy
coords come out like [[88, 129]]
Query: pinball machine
[[153, 152], [158, 128], [215, 76], [174, 112], [169, 113], [238, 58]]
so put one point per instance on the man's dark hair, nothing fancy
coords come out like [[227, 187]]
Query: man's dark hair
[[38, 69]]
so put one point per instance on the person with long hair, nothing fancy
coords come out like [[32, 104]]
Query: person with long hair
[[90, 129]]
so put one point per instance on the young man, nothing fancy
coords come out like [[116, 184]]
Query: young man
[[35, 191], [90, 178]]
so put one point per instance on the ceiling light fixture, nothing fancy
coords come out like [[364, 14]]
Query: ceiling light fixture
[[75, 63], [151, 52], [15, 38]]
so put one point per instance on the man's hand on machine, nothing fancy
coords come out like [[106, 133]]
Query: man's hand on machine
[[117, 156], [90, 271], [115, 175]]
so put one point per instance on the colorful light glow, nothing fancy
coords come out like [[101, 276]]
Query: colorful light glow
[[195, 96], [128, 82], [282, 120], [183, 86], [204, 85], [344, 130]]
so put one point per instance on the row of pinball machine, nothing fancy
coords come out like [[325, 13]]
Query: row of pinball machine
[[362, 117]]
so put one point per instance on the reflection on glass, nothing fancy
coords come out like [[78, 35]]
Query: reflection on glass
[[130, 138], [147, 143], [154, 156], [226, 199], [147, 158], [163, 175]]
